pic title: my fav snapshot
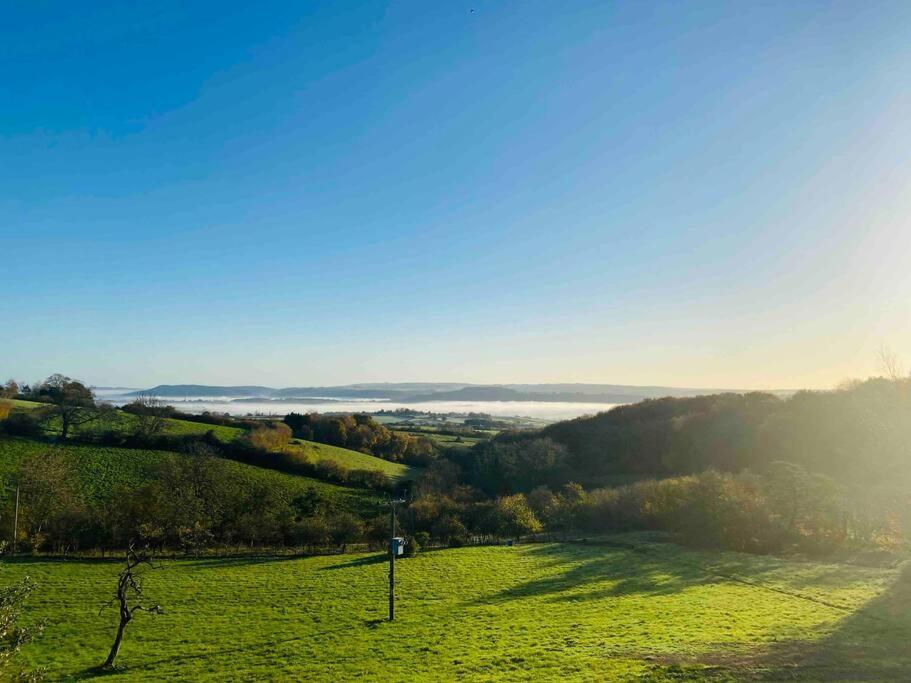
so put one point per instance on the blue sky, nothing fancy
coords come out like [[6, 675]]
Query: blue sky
[[682, 193]]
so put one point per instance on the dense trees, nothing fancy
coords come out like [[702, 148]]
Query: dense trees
[[751, 472], [189, 502], [361, 433], [859, 433]]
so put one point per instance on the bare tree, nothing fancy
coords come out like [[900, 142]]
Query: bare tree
[[889, 363], [129, 589], [150, 414]]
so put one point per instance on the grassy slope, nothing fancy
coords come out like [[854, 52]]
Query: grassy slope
[[124, 422], [538, 612], [102, 469], [22, 405], [353, 460]]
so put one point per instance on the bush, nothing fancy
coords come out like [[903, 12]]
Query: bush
[[332, 470], [412, 547], [22, 424], [270, 437]]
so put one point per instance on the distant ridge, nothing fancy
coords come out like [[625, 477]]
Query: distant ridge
[[176, 390], [414, 392]]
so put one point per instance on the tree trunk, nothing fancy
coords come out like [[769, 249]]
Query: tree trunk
[[115, 648], [65, 427]]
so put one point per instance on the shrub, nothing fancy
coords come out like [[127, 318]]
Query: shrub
[[373, 479], [412, 547], [270, 437], [22, 424], [332, 470]]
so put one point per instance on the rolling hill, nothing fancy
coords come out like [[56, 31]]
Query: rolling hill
[[123, 423], [103, 469]]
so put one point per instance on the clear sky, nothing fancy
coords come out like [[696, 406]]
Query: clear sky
[[680, 193]]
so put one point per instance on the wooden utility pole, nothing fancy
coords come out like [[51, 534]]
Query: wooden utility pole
[[392, 566], [392, 551]]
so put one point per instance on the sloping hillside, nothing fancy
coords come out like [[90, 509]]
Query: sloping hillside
[[124, 423], [103, 469], [859, 433], [353, 460]]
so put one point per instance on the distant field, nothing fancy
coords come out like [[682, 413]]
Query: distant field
[[533, 612], [447, 440], [353, 459], [102, 469]]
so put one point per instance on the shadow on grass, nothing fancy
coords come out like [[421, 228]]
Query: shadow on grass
[[873, 643], [358, 562], [126, 668], [618, 571], [239, 561]]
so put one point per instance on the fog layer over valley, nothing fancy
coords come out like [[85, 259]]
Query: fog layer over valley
[[233, 405]]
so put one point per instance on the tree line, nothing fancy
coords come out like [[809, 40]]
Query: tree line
[[816, 471], [190, 502]]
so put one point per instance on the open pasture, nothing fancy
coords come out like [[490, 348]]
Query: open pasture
[[531, 612]]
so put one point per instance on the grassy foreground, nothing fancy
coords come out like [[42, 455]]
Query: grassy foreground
[[535, 612]]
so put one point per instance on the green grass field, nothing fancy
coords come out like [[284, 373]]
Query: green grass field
[[448, 440], [532, 612], [102, 469], [125, 423], [353, 459]]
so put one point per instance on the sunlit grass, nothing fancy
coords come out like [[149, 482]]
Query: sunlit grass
[[352, 459], [102, 470], [537, 612]]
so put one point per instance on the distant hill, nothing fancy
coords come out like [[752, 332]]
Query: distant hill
[[498, 393], [196, 390], [412, 392]]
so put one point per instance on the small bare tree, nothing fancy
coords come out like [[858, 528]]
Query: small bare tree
[[889, 363], [129, 589], [150, 413]]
